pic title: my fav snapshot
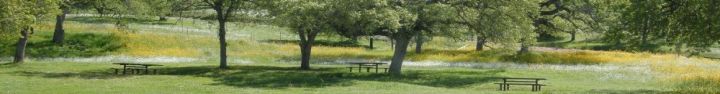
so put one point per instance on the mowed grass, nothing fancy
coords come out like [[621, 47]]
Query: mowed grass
[[266, 75], [187, 78]]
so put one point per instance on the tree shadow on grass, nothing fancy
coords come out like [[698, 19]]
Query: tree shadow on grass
[[95, 74], [284, 77], [96, 20], [320, 43]]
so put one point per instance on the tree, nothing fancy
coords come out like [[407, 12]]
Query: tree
[[645, 25], [59, 33], [405, 19], [501, 22], [66, 6], [223, 10], [307, 18], [164, 8], [18, 16], [693, 23]]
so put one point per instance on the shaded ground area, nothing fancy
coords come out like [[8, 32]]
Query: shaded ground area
[[321, 43], [284, 77]]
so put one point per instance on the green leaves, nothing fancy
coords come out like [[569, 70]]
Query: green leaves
[[500, 22], [18, 14]]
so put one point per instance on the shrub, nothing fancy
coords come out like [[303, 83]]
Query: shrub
[[75, 45]]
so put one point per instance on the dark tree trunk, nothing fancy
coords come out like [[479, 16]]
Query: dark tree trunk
[[399, 55], [223, 45], [21, 44], [418, 43], [354, 39], [222, 15], [643, 41], [59, 34], [162, 18], [480, 43], [572, 36], [305, 50], [306, 41], [372, 46], [678, 48]]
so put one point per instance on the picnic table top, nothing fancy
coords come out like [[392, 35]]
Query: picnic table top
[[137, 64], [522, 78], [364, 62]]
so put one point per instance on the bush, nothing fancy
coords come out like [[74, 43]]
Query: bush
[[75, 45]]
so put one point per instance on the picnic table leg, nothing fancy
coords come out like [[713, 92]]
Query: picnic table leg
[[501, 87], [539, 87], [533, 88], [507, 87], [147, 70], [124, 69], [350, 69], [376, 68]]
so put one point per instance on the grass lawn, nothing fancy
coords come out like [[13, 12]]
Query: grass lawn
[[258, 55], [186, 78]]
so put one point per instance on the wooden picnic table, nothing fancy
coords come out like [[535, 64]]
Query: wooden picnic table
[[135, 66], [534, 82], [368, 65]]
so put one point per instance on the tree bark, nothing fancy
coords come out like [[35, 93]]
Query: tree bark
[[372, 46], [21, 44], [223, 45], [572, 36], [306, 41], [222, 15], [162, 18], [643, 41], [418, 43], [480, 43], [399, 55], [59, 34]]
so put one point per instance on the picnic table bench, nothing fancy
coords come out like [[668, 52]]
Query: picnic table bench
[[366, 65], [534, 82], [135, 68]]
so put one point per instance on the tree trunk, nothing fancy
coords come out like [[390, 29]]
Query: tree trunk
[[162, 18], [371, 43], [21, 44], [305, 50], [643, 41], [678, 48], [223, 45], [572, 36], [399, 55], [480, 43], [306, 41], [354, 39], [59, 34], [418, 43], [222, 19]]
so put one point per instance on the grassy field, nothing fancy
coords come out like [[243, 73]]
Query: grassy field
[[185, 78], [264, 60]]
